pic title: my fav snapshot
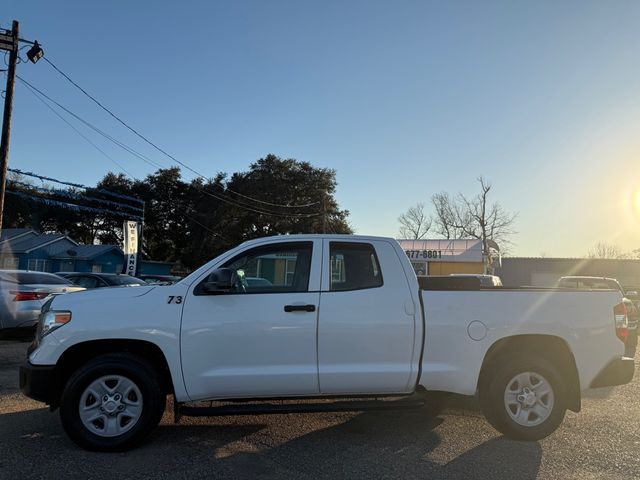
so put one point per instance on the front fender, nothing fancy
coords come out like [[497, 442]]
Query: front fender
[[128, 313]]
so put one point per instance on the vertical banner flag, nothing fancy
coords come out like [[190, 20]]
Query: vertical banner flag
[[130, 247]]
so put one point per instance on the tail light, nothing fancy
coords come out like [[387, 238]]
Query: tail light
[[25, 296], [622, 321]]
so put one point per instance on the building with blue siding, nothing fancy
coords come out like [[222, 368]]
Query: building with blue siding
[[25, 249]]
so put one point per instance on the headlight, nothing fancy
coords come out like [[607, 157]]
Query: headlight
[[51, 320]]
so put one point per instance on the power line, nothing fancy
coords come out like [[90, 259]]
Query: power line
[[92, 98], [274, 204], [233, 202], [34, 91], [82, 207], [76, 185], [236, 203], [74, 195], [71, 206], [256, 209], [87, 139], [120, 144]]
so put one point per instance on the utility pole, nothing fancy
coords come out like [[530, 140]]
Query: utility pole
[[10, 43]]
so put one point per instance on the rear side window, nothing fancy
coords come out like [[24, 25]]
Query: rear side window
[[31, 278], [354, 266]]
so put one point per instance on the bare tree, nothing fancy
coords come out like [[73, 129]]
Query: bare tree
[[607, 250], [450, 220], [488, 221], [474, 217], [415, 223]]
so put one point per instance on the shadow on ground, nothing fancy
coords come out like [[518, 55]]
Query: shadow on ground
[[17, 334], [368, 445], [397, 445]]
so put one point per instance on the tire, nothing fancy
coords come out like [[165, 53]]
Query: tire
[[507, 404], [124, 394]]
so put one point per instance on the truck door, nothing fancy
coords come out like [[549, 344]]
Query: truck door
[[366, 329], [259, 339]]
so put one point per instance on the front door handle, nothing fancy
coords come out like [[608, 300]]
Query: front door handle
[[299, 308]]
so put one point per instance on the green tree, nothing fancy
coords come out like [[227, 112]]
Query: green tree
[[278, 182], [192, 222]]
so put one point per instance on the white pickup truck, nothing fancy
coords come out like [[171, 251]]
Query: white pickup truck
[[338, 321]]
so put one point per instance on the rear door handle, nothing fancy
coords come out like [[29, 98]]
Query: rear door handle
[[299, 308]]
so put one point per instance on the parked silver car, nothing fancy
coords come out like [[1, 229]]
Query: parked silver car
[[22, 294]]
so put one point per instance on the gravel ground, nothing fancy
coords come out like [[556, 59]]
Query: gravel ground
[[601, 442]]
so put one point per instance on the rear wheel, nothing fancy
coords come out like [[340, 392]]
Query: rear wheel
[[112, 402], [523, 398]]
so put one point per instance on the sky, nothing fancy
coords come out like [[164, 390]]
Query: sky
[[403, 99]]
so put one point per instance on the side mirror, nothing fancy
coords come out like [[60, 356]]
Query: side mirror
[[632, 293], [221, 280]]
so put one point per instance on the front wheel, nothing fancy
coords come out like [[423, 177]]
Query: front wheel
[[112, 402], [523, 397]]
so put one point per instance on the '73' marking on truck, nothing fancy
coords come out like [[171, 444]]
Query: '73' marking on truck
[[174, 299]]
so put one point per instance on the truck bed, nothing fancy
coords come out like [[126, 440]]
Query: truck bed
[[464, 321]]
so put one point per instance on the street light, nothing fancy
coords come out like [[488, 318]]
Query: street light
[[35, 53]]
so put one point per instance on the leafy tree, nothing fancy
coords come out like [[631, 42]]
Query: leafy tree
[[279, 183], [191, 222]]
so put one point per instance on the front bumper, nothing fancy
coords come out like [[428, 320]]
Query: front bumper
[[618, 372], [37, 381]]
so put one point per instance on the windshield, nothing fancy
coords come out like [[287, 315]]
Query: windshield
[[126, 280], [587, 283]]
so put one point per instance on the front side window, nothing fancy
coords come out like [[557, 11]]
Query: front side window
[[354, 266], [275, 268]]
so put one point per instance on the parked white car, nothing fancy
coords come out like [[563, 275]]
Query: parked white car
[[22, 294], [339, 316]]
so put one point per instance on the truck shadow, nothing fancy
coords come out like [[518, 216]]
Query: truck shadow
[[34, 445], [393, 445], [368, 445]]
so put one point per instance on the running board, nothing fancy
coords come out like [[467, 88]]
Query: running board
[[272, 408]]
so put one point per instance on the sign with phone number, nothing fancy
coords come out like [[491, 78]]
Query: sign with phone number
[[424, 254], [443, 250]]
